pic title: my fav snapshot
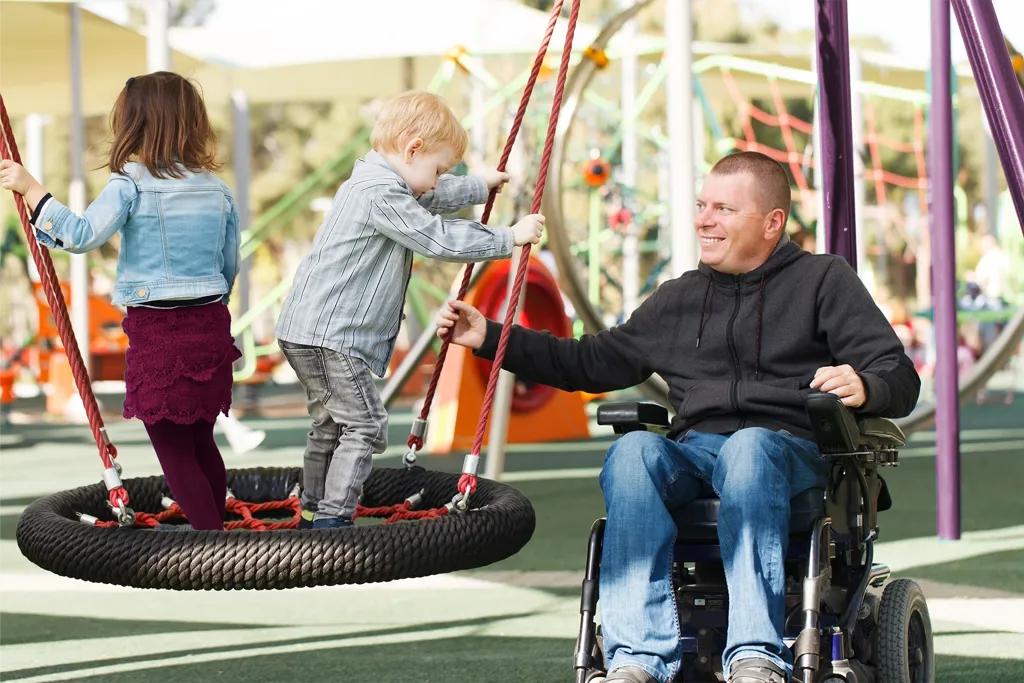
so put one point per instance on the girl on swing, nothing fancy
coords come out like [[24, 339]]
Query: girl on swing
[[179, 255]]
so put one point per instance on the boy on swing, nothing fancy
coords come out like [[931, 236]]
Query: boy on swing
[[340, 319]]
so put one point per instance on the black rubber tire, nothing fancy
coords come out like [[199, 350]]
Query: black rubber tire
[[500, 522], [904, 638]]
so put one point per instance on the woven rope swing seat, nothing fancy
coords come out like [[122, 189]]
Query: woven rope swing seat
[[434, 522], [498, 523]]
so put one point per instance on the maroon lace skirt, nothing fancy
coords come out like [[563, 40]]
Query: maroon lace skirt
[[178, 363]]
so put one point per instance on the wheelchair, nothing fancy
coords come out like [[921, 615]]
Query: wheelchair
[[839, 626]]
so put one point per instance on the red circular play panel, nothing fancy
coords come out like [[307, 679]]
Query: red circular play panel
[[542, 310]]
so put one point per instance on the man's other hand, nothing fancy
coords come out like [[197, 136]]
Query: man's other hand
[[844, 382]]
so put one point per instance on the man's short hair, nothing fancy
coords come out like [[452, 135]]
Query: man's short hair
[[772, 177], [417, 114]]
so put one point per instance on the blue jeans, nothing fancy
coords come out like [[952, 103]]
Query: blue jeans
[[755, 472]]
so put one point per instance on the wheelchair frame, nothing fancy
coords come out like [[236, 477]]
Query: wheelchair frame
[[851, 506]]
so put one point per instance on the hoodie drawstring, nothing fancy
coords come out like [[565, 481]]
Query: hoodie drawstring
[[703, 307], [757, 338]]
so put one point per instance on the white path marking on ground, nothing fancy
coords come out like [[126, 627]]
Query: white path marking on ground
[[502, 610], [202, 658], [910, 553], [993, 614], [981, 447], [971, 435], [973, 645], [949, 640]]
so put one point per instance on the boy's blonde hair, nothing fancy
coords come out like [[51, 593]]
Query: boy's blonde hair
[[416, 114]]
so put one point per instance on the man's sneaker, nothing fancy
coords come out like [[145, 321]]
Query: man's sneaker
[[332, 523], [629, 674], [757, 670], [306, 519]]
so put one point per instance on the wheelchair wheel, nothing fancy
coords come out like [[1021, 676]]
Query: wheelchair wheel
[[905, 653]]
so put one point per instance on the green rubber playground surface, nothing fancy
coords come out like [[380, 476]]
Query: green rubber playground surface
[[514, 621]]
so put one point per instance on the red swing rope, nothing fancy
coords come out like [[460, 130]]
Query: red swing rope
[[415, 440], [55, 298], [467, 482]]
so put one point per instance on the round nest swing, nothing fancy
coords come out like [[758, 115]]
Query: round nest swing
[[499, 522], [426, 531]]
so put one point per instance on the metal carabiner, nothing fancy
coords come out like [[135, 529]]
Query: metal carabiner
[[410, 458], [463, 503], [125, 515]]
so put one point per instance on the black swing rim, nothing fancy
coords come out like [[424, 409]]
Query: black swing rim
[[498, 524]]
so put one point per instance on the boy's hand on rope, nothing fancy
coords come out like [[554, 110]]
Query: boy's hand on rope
[[529, 229], [495, 178], [466, 325]]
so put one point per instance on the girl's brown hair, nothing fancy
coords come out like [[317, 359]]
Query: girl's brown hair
[[160, 119]]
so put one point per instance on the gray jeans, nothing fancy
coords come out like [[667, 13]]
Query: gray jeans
[[350, 424]]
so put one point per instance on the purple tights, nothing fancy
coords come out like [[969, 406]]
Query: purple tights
[[194, 470]]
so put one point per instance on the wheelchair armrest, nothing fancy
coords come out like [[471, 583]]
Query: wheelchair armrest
[[837, 431], [880, 432], [632, 416]]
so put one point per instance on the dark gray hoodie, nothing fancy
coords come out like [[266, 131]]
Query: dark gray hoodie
[[736, 350]]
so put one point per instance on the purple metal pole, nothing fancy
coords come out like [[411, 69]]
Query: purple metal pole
[[1000, 91], [836, 163], [943, 241]]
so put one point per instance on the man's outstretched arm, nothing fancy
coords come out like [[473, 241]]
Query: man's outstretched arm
[[612, 359]]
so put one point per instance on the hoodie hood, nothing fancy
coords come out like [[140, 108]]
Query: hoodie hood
[[785, 252]]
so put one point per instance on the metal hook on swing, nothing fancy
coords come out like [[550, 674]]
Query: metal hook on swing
[[462, 505], [125, 515], [410, 458]]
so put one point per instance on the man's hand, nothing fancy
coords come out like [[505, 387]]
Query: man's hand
[[466, 325], [495, 178], [844, 382]]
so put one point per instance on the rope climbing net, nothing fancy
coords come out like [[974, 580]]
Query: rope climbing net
[[275, 514], [895, 147], [268, 515]]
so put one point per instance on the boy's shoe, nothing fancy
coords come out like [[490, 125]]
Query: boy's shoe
[[306, 519], [332, 523]]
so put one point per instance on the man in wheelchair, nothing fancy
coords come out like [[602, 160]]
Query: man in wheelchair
[[771, 355]]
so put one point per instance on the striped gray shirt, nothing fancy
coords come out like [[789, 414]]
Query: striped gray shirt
[[349, 290]]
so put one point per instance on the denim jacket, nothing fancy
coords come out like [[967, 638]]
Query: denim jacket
[[179, 236]]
